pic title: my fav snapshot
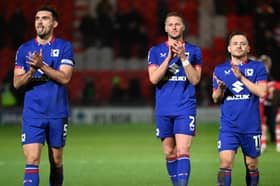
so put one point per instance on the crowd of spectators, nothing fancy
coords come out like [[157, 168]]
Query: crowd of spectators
[[121, 30], [126, 33]]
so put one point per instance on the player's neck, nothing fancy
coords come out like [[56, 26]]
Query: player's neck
[[238, 61], [44, 40], [171, 41]]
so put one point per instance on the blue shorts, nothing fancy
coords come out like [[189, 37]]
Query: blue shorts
[[168, 126], [249, 143], [54, 131]]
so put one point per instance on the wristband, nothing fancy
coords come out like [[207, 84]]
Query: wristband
[[186, 62]]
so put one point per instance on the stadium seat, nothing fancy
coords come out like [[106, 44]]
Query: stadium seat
[[219, 45]]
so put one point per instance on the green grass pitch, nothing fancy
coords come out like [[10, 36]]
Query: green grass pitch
[[127, 155]]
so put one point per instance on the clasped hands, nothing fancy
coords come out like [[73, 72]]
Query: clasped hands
[[178, 49], [220, 83], [35, 60], [236, 71]]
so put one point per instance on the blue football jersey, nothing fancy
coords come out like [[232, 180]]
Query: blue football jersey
[[175, 95], [240, 108], [44, 97]]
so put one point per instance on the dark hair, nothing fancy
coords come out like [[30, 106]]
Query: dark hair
[[49, 9], [234, 33], [176, 14]]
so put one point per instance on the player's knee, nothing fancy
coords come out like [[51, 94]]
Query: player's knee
[[181, 150], [169, 152], [32, 159], [226, 163], [251, 165], [57, 160]]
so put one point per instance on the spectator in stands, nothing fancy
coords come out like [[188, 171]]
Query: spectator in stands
[[88, 30], [88, 92], [162, 10], [220, 7], [105, 24], [9, 96], [134, 91], [17, 28], [244, 7], [264, 21], [119, 91], [276, 32], [14, 96], [132, 34], [269, 105], [2, 31]]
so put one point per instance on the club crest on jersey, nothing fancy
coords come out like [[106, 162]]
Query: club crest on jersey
[[54, 52], [249, 72]]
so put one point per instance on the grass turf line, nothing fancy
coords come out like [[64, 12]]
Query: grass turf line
[[127, 155]]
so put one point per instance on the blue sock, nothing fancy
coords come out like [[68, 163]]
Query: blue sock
[[171, 164], [224, 177], [183, 169], [56, 176], [252, 177], [31, 175]]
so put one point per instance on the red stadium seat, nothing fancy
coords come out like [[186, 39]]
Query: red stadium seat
[[219, 45]]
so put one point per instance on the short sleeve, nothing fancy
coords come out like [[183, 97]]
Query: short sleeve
[[20, 59], [215, 84], [68, 57], [261, 73], [198, 57], [152, 60]]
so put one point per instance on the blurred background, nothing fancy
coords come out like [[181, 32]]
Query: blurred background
[[111, 39]]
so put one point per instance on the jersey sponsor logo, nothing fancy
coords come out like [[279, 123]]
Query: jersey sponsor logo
[[40, 79], [237, 86], [175, 78], [174, 68], [249, 72], [238, 97], [178, 78], [54, 52]]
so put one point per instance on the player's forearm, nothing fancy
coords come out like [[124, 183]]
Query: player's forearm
[[217, 95], [157, 73], [193, 74], [257, 89], [22, 79], [56, 75]]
